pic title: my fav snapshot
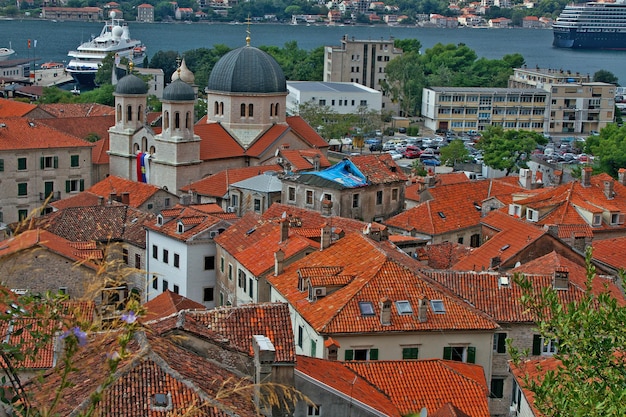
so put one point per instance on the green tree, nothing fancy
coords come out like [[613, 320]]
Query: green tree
[[590, 380], [604, 76], [454, 153], [610, 148], [508, 150], [408, 45], [167, 61], [404, 82], [101, 95]]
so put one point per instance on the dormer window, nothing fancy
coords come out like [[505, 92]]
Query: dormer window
[[367, 308], [532, 215], [404, 308], [597, 220], [617, 218], [437, 306], [160, 220], [515, 210], [180, 228], [161, 402]]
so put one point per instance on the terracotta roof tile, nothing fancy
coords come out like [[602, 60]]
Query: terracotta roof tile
[[138, 192], [413, 385], [442, 255], [306, 132], [22, 133], [217, 184], [379, 169], [78, 110], [303, 159], [168, 303], [195, 223], [611, 252], [535, 369], [216, 142], [12, 108], [340, 377], [269, 137], [380, 270], [83, 199], [99, 153], [449, 410], [83, 127]]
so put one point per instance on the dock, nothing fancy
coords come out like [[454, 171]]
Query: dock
[[50, 77]]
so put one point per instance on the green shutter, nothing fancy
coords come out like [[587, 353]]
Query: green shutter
[[313, 349], [41, 162], [56, 161], [82, 185], [1, 165], [74, 161], [349, 355], [471, 354], [68, 186], [447, 352], [501, 343], [373, 354], [410, 353], [537, 344]]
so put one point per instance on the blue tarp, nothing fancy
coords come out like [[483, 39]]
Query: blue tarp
[[344, 173]]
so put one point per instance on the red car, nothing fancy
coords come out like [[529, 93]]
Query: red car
[[412, 152]]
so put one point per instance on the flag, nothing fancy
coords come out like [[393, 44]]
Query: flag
[[146, 167], [29, 44], [139, 170], [117, 59], [143, 167]]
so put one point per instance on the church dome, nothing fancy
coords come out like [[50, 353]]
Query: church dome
[[247, 70], [184, 73], [179, 90], [131, 84]]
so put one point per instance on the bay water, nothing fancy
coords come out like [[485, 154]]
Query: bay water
[[55, 39]]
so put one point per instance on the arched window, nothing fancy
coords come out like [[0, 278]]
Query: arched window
[[276, 109], [250, 110], [222, 108], [243, 110], [135, 148], [140, 113], [166, 120], [216, 110], [144, 144], [188, 120], [129, 113], [272, 109], [152, 150], [176, 120], [119, 112]]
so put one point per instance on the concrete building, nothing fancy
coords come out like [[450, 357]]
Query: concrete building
[[145, 13], [342, 98], [362, 62], [472, 108]]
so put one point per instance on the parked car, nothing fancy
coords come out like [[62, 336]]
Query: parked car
[[371, 141], [412, 152], [434, 162], [395, 155], [376, 147], [390, 145], [401, 147], [402, 130]]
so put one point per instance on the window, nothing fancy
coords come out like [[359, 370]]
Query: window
[[230, 272], [21, 164], [497, 387], [314, 410], [404, 307], [617, 218], [597, 220], [72, 186], [222, 264], [155, 251], [543, 346], [475, 240], [499, 342], [460, 353], [1, 165], [74, 161], [176, 261], [209, 263], [355, 200], [166, 202], [313, 348], [22, 214], [251, 287], [410, 353], [207, 294], [137, 261], [250, 110], [379, 197], [300, 336], [241, 279], [394, 194], [437, 306], [176, 289], [459, 240], [155, 282], [22, 189], [165, 285], [361, 354], [166, 256], [243, 110], [328, 197], [309, 197], [125, 256], [291, 194], [367, 308], [49, 162], [257, 205]]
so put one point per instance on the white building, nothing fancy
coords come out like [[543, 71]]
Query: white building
[[342, 98]]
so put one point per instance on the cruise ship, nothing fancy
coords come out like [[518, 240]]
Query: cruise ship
[[114, 38], [591, 25]]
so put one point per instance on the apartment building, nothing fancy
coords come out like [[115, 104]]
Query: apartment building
[[362, 62], [577, 105], [145, 13], [466, 109]]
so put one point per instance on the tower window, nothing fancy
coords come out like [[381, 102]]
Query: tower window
[[250, 110], [243, 110], [176, 120], [129, 113]]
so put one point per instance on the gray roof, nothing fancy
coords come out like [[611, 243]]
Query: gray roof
[[247, 70], [320, 86], [179, 90], [488, 90], [267, 182], [131, 84]]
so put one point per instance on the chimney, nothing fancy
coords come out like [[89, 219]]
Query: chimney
[[279, 257], [326, 236], [327, 208], [284, 230], [621, 176], [585, 178], [422, 309], [558, 177], [126, 198], [385, 311], [608, 189], [100, 200], [316, 162], [525, 178], [264, 356], [495, 262], [561, 278]]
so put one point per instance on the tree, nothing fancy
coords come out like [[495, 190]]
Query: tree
[[167, 61], [404, 82], [508, 149], [610, 148], [590, 380], [604, 76], [454, 153]]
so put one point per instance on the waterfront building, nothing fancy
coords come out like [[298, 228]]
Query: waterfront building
[[72, 13], [145, 13], [341, 98], [465, 109], [362, 62], [577, 104]]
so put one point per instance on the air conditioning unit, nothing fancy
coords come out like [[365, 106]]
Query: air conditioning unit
[[320, 291], [213, 234], [231, 209]]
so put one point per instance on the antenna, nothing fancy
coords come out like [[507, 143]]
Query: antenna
[[248, 30]]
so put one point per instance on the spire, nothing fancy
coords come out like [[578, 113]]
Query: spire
[[248, 31]]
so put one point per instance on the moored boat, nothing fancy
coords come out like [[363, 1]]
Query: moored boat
[[5, 53], [593, 25]]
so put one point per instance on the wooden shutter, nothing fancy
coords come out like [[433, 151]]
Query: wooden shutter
[[349, 355], [82, 185], [41, 162], [373, 354], [447, 352], [471, 354], [1, 165], [501, 348], [68, 186], [537, 344], [56, 161]]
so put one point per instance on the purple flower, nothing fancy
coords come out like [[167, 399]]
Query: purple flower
[[129, 317], [115, 356], [80, 336]]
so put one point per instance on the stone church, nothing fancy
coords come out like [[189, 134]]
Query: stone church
[[246, 123]]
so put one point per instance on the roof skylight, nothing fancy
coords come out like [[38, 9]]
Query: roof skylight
[[404, 307], [367, 308], [437, 306]]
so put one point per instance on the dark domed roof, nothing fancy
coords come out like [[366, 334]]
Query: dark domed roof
[[179, 90], [247, 70], [131, 84]]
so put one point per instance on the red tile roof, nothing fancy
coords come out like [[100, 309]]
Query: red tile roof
[[78, 110], [22, 134], [379, 169], [413, 385], [83, 127], [442, 255], [611, 252], [216, 142], [303, 159], [449, 410], [303, 130], [168, 303], [195, 223], [12, 108], [380, 270], [514, 235], [138, 192], [217, 184], [535, 369], [99, 153], [340, 377]]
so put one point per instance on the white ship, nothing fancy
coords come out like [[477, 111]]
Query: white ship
[[114, 38], [5, 53]]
